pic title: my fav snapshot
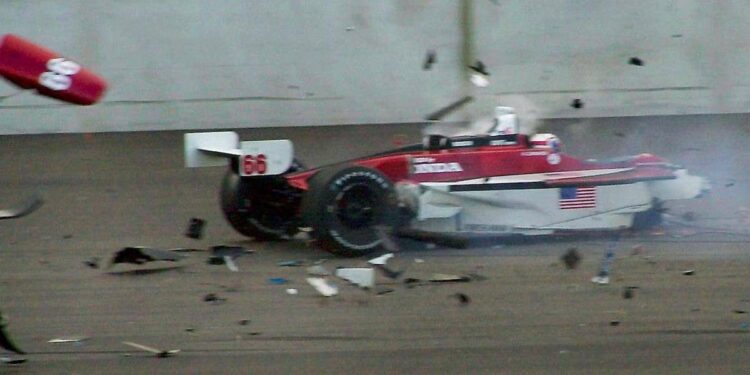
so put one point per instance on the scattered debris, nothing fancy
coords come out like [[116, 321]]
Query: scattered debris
[[362, 277], [323, 286], [445, 111], [278, 280], [214, 299], [380, 290], [614, 323], [5, 340], [430, 58], [317, 270], [688, 272], [444, 277], [571, 258], [190, 329], [22, 210], [68, 340], [479, 68], [67, 236], [12, 361], [195, 228], [636, 61], [139, 255], [410, 282], [737, 311], [244, 322], [159, 353], [290, 263], [730, 183], [350, 28], [628, 292], [92, 263], [380, 264], [577, 103], [619, 134], [223, 254], [292, 291], [462, 298], [418, 260]]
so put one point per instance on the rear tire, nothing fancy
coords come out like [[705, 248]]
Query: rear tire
[[344, 205], [264, 208]]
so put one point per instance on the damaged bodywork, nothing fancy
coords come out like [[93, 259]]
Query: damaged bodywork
[[498, 183]]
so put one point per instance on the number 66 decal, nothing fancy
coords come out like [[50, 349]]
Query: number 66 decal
[[57, 76], [252, 164]]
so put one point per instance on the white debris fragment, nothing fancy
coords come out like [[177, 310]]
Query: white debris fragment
[[323, 286], [68, 339], [292, 291], [381, 260], [230, 263], [317, 270], [362, 277], [479, 80]]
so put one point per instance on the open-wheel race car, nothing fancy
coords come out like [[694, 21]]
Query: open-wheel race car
[[497, 183]]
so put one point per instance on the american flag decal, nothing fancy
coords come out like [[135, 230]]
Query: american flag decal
[[577, 197]]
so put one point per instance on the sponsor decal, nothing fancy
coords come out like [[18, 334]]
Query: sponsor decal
[[534, 153], [462, 143], [553, 159], [437, 168]]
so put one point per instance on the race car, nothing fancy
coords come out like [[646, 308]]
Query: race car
[[498, 183]]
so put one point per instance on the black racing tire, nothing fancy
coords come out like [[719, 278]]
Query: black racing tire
[[345, 204], [264, 208]]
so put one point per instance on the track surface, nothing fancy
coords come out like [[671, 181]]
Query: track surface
[[529, 315]]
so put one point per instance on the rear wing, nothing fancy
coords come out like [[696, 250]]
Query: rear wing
[[255, 158]]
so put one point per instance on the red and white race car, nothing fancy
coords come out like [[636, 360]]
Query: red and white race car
[[498, 183]]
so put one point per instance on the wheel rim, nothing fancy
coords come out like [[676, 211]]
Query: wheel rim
[[356, 207]]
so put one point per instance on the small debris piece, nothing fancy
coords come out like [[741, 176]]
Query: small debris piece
[[614, 323], [619, 134], [5, 340], [577, 103], [380, 290], [213, 298], [688, 272], [479, 80], [67, 236], [350, 28], [317, 270], [159, 353], [636, 61], [476, 277], [230, 251], [430, 58], [290, 263], [739, 311], [571, 258], [462, 298], [12, 361], [600, 280], [380, 264], [381, 260], [195, 228], [215, 261], [445, 111], [230, 264], [190, 329], [292, 291], [730, 183], [92, 263], [323, 286], [444, 277], [628, 292], [479, 68], [244, 322], [67, 340], [362, 277], [139, 255], [24, 209], [278, 280]]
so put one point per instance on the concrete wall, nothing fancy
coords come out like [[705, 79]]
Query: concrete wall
[[192, 64]]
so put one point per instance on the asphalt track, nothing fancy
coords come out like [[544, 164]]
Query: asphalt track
[[525, 314]]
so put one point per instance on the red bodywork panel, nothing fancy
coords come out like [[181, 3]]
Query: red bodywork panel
[[464, 163], [30, 66]]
